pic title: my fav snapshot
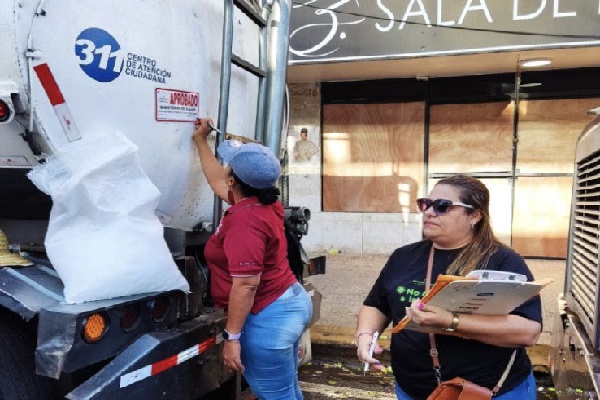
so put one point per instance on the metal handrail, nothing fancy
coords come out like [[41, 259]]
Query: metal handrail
[[279, 27]]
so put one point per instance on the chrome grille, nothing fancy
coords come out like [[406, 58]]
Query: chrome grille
[[584, 240]]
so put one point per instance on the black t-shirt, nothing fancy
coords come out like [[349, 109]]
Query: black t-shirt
[[401, 281]]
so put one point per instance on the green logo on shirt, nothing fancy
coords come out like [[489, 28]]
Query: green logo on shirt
[[410, 293]]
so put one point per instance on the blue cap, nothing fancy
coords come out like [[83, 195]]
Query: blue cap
[[254, 164]]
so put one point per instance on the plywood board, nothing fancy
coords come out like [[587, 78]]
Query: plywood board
[[372, 157], [471, 137], [500, 206], [541, 216], [548, 132]]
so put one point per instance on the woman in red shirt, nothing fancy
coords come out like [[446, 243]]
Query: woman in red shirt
[[251, 279]]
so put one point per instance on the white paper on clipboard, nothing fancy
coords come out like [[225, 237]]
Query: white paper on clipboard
[[487, 294]]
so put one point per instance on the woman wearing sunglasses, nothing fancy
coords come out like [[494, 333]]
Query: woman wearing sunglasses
[[267, 309], [479, 348]]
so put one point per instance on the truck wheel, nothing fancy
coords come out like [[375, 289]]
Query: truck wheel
[[18, 380]]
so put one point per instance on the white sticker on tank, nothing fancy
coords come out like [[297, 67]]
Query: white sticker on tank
[[176, 105]]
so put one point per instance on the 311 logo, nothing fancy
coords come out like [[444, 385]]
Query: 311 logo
[[100, 55]]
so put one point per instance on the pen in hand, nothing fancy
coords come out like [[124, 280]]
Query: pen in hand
[[371, 350]]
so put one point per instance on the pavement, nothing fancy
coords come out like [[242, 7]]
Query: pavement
[[349, 278]]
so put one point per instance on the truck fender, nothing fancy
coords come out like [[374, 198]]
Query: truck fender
[[25, 291]]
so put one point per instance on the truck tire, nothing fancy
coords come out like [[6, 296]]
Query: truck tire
[[18, 380]]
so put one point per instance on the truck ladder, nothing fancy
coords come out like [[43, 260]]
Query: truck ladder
[[271, 80], [228, 59]]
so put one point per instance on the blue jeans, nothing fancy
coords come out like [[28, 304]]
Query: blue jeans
[[526, 390], [269, 343]]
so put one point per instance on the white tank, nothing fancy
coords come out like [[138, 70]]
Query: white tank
[[148, 69]]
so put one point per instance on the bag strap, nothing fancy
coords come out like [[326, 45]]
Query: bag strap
[[433, 352], [505, 373]]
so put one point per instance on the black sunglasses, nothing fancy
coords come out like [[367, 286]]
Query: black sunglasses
[[440, 206]]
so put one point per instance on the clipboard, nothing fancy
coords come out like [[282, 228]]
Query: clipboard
[[480, 292]]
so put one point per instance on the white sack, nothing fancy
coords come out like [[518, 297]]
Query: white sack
[[104, 239]]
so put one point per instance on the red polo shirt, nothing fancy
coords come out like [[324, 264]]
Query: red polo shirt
[[250, 240]]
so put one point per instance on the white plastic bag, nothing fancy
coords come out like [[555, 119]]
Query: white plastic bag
[[104, 239]]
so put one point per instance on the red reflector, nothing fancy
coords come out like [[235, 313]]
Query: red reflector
[[160, 308], [164, 365], [4, 111], [207, 344], [49, 84], [130, 317]]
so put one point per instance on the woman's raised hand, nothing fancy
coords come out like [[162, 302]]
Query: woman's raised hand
[[203, 127]]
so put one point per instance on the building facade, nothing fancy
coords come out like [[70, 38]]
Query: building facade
[[395, 95]]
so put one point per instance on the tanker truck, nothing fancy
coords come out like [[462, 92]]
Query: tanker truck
[[574, 358], [138, 73]]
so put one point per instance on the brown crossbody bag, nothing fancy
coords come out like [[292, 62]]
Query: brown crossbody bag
[[458, 388]]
